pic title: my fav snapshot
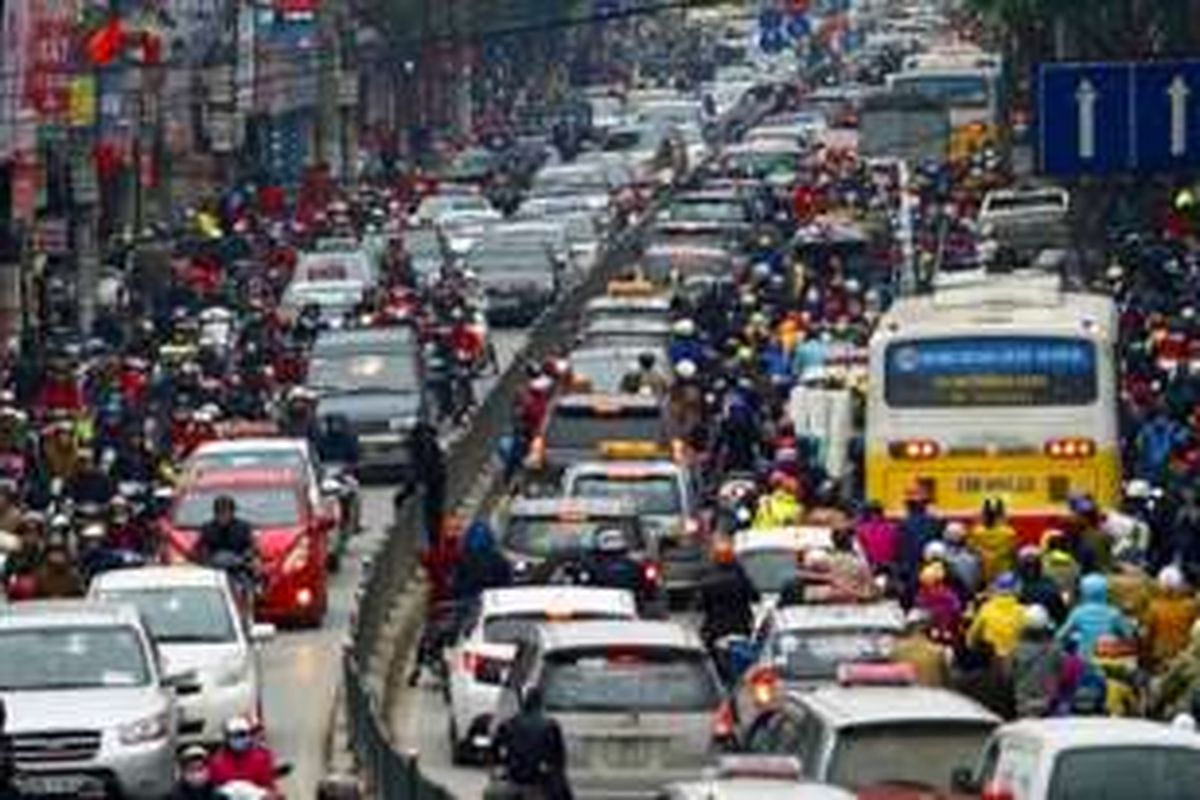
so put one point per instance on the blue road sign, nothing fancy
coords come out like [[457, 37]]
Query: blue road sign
[[1084, 118], [798, 25], [1097, 119], [1167, 119]]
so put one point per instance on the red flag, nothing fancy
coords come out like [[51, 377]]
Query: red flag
[[105, 44]]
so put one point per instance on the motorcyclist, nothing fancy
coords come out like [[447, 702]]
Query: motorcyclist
[[530, 748], [1036, 588], [337, 443], [7, 766], [1094, 617], [609, 564], [918, 648], [56, 576], [1000, 619], [1169, 617], [482, 565], [994, 540], [227, 542], [644, 378], [1037, 665], [195, 779], [91, 484], [241, 758], [727, 597]]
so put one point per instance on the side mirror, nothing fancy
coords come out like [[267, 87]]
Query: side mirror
[[262, 632], [330, 486], [962, 779], [181, 681]]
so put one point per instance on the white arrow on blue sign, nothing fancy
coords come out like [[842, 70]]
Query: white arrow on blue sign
[[1107, 118]]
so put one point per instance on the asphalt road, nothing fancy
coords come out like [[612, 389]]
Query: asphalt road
[[301, 668]]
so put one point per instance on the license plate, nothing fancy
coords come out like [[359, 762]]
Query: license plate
[[996, 484], [627, 754], [35, 785]]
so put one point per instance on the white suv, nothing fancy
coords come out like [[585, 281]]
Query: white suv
[[90, 711]]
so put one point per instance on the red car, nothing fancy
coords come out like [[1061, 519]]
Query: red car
[[291, 534]]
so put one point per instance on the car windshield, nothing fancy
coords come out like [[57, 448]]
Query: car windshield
[[185, 614], [513, 255], [921, 753], [769, 569], [1115, 773], [522, 628], [804, 655], [273, 507], [582, 429], [650, 494], [544, 536], [268, 459], [93, 657], [360, 372], [714, 210], [624, 679]]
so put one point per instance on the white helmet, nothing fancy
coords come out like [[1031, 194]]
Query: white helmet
[[1170, 578], [684, 327], [955, 531], [934, 551], [1037, 618], [686, 369]]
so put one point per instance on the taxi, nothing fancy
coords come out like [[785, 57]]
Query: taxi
[[1038, 759], [291, 536], [876, 733], [479, 661], [803, 647], [667, 502], [582, 427], [748, 777]]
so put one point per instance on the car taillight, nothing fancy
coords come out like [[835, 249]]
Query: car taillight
[[691, 527], [764, 686], [723, 725], [914, 449], [652, 573], [1070, 448], [483, 668], [297, 557]]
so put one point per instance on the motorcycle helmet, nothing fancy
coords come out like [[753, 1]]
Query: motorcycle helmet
[[239, 733]]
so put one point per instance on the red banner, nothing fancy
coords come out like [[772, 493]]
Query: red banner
[[51, 45]]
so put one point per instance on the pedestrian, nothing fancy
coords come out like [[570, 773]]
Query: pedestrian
[[429, 469], [1037, 665], [530, 748]]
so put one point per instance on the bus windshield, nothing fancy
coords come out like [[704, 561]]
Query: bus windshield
[[1002, 371], [962, 89]]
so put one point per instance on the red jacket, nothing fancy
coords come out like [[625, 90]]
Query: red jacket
[[256, 765], [60, 395]]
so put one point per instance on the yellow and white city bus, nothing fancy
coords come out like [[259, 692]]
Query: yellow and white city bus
[[1003, 388]]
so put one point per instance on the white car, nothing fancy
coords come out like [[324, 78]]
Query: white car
[[479, 661], [191, 614], [771, 557], [1093, 757], [748, 777]]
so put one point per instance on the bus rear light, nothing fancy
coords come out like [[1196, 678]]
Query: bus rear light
[[1070, 448], [914, 449]]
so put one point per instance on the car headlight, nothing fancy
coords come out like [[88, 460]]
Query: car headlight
[[149, 729], [234, 675]]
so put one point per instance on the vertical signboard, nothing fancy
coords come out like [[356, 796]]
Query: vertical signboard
[[49, 47]]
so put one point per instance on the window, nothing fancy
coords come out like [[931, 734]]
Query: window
[[622, 679], [545, 536], [1118, 773], [260, 508], [584, 429], [653, 494], [924, 753], [184, 615], [72, 658]]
